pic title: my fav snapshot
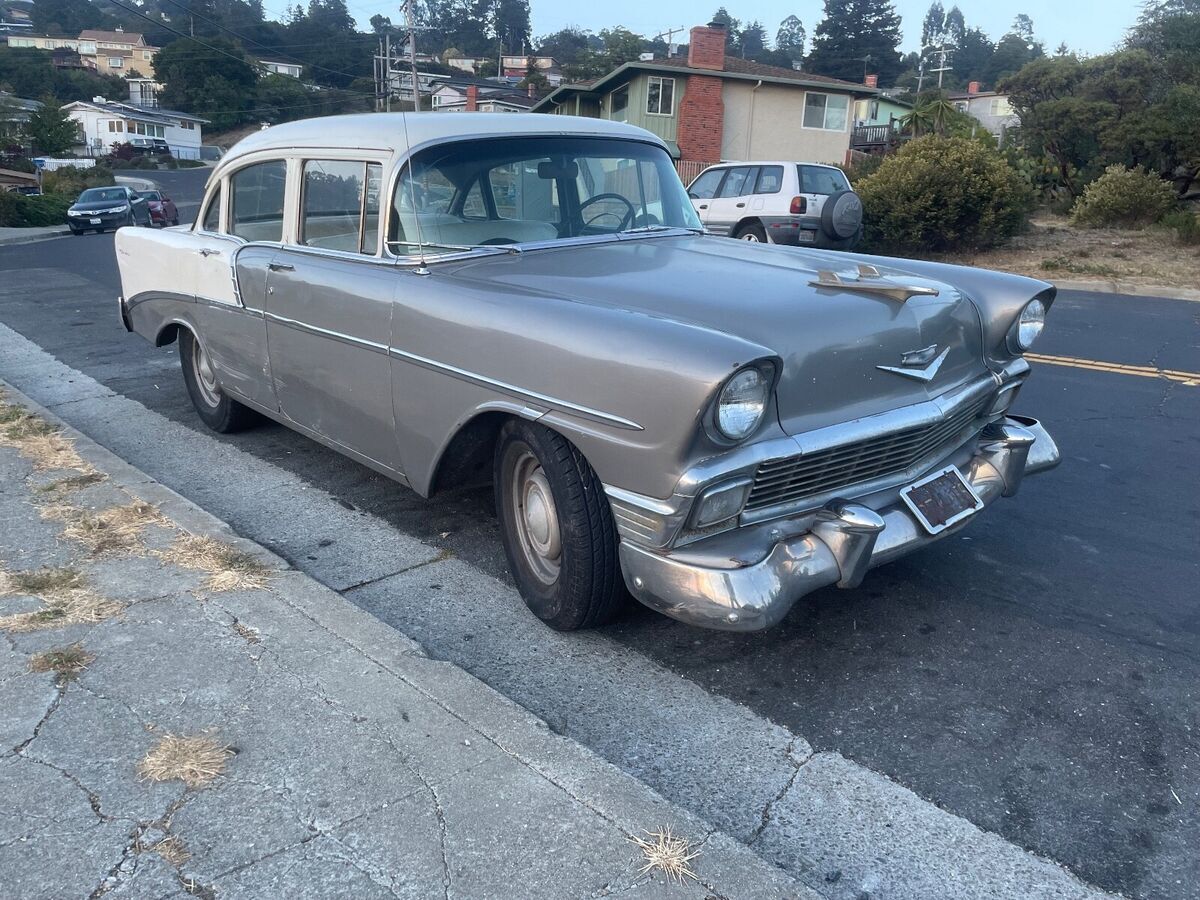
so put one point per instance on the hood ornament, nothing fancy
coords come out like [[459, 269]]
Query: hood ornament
[[870, 281], [920, 364]]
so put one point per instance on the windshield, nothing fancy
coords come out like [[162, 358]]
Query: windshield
[[519, 190], [149, 195], [822, 180], [95, 195]]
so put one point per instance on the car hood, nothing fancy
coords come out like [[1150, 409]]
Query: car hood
[[830, 341], [94, 205]]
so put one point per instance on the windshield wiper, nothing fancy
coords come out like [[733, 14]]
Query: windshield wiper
[[654, 229]]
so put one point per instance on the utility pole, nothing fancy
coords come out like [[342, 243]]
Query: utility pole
[[407, 8], [668, 34], [942, 67], [387, 68]]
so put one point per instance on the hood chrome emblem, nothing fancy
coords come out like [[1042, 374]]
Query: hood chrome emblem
[[921, 364], [870, 281]]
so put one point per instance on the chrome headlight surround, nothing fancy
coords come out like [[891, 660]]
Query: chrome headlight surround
[[1028, 327], [741, 404]]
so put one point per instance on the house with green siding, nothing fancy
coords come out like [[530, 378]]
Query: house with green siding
[[710, 107]]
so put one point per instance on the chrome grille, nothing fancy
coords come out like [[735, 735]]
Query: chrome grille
[[793, 478]]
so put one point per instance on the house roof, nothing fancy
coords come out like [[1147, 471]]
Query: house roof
[[966, 95], [129, 111], [111, 37], [735, 69]]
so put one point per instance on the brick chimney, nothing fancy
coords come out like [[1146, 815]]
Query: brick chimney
[[871, 81], [973, 87], [472, 98], [707, 47]]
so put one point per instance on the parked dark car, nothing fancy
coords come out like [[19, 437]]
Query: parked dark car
[[162, 208], [144, 146], [108, 207]]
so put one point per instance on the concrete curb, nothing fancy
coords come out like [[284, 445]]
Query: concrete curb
[[727, 867], [42, 234], [1166, 292]]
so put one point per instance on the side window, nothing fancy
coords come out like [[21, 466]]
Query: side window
[[770, 180], [256, 212], [212, 215], [705, 186], [337, 206], [472, 206], [738, 183]]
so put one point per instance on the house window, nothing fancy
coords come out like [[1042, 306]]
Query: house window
[[660, 96], [618, 103], [826, 111], [999, 107], [188, 126], [147, 55], [116, 125], [115, 62]]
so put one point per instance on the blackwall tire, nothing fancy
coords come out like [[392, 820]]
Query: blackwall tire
[[754, 233], [557, 529], [219, 412]]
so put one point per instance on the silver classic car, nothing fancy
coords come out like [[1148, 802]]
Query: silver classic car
[[715, 427]]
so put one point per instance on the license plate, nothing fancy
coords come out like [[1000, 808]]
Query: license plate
[[94, 221], [807, 237], [941, 499]]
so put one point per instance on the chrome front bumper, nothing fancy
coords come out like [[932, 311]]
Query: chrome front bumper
[[845, 540]]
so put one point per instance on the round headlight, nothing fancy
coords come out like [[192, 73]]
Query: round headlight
[[1029, 326], [742, 403]]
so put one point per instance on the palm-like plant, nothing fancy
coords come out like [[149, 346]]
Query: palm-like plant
[[930, 117]]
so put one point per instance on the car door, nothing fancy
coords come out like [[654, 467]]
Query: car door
[[728, 207], [703, 188], [329, 311], [232, 329]]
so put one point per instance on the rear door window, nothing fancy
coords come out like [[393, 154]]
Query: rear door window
[[257, 193], [770, 180], [340, 205]]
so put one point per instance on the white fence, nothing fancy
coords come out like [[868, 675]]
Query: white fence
[[49, 164]]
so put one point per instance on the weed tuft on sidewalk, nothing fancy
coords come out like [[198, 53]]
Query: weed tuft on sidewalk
[[667, 854], [228, 568], [68, 663], [195, 760], [65, 597], [114, 530]]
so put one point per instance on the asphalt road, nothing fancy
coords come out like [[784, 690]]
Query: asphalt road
[[1036, 674]]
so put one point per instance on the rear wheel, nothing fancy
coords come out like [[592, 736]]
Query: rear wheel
[[557, 529], [754, 233], [217, 411]]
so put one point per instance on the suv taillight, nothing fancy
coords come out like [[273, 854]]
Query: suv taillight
[[799, 205]]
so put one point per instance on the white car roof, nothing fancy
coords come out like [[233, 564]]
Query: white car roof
[[397, 132], [724, 164]]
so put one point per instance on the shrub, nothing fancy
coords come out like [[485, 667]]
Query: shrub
[[864, 165], [19, 211], [144, 162], [70, 181], [1186, 226], [189, 163], [939, 193], [1124, 198]]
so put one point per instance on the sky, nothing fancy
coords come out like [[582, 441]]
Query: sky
[[1096, 29]]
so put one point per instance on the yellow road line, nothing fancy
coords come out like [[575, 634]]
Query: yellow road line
[[1191, 379]]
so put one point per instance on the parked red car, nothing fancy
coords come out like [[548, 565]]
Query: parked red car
[[162, 208]]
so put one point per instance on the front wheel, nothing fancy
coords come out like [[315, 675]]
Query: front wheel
[[557, 529], [219, 412], [753, 233]]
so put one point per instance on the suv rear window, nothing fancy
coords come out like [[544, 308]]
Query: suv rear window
[[821, 180]]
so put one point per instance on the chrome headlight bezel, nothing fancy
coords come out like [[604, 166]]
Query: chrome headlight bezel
[[754, 383], [1029, 326]]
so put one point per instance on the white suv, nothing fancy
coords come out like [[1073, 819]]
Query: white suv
[[779, 203]]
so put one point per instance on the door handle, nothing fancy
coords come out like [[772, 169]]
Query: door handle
[[704, 206], [208, 251], [740, 205], [281, 267]]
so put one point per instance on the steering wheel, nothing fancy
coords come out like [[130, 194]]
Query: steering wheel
[[630, 211]]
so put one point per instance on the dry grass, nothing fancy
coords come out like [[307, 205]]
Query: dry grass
[[114, 530], [667, 854], [228, 568], [172, 850], [195, 760], [66, 600], [71, 483], [1052, 248], [38, 440], [68, 663]]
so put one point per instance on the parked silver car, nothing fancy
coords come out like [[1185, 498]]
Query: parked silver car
[[806, 204], [715, 427]]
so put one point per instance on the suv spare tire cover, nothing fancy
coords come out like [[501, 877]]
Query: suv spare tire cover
[[842, 214]]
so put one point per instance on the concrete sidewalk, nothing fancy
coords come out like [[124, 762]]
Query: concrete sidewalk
[[182, 714], [28, 235]]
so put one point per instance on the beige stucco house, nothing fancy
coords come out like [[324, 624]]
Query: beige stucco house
[[710, 107]]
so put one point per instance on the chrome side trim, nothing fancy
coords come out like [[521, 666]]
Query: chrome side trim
[[511, 389], [373, 346]]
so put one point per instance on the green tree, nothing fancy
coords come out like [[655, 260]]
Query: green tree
[[620, 46], [511, 23], [50, 128], [790, 38], [933, 28], [972, 56], [65, 16], [857, 37], [753, 40], [733, 31], [211, 79]]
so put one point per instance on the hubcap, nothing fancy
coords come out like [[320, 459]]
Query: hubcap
[[206, 381], [536, 519], [751, 237]]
